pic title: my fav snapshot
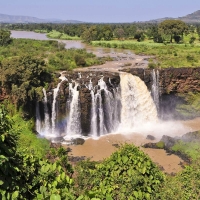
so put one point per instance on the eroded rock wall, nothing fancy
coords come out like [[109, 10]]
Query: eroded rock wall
[[171, 80]]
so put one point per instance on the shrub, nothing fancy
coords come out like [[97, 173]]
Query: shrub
[[127, 174], [151, 65]]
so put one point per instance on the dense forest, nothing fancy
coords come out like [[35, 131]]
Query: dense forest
[[30, 168]]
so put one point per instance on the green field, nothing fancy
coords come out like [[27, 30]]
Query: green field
[[57, 35], [164, 55]]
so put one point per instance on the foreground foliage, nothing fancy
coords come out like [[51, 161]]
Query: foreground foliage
[[127, 174], [25, 176], [185, 185]]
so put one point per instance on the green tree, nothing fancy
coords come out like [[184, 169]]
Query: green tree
[[107, 33], [139, 36], [90, 34], [22, 76], [173, 28], [5, 37], [119, 33]]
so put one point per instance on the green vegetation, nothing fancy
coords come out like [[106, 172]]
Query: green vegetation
[[185, 185], [127, 174], [190, 107], [23, 175], [190, 149], [160, 145], [27, 65], [174, 28], [58, 35], [170, 55], [53, 54], [5, 37]]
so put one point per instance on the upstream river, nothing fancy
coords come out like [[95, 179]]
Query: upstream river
[[105, 146], [122, 58]]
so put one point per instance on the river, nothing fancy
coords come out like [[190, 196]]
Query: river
[[122, 58]]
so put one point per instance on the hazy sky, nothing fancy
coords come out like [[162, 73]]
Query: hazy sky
[[100, 10]]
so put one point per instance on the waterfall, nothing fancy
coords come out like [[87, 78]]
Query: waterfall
[[74, 126], [54, 112], [47, 127], [137, 104], [155, 88], [113, 109], [38, 118], [94, 129], [104, 109]]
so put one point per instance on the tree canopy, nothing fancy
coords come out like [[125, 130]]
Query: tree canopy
[[5, 37], [173, 28]]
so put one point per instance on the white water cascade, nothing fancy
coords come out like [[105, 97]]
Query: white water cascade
[[73, 125], [47, 127], [54, 132], [54, 112], [137, 104], [38, 119], [104, 109], [155, 88]]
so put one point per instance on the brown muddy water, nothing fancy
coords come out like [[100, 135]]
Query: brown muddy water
[[104, 146]]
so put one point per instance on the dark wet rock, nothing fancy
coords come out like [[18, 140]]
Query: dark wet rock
[[150, 137], [150, 145], [78, 141], [157, 145], [116, 145], [55, 145], [76, 158], [168, 141]]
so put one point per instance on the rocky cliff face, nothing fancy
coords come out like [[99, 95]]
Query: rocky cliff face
[[172, 83], [84, 80], [171, 80]]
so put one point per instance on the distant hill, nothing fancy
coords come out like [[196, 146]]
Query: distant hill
[[27, 19], [190, 18]]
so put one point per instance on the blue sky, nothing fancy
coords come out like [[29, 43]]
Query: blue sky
[[100, 10]]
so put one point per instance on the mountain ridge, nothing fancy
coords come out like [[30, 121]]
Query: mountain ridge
[[189, 18], [4, 18]]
